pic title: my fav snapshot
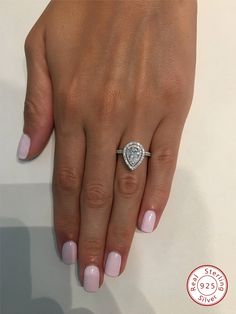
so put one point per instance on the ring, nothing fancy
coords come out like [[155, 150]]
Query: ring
[[133, 154]]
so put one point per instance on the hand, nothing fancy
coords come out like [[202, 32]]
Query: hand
[[102, 74]]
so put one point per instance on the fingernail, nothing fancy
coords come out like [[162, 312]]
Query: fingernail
[[91, 278], [23, 146], [69, 252], [113, 264], [148, 221]]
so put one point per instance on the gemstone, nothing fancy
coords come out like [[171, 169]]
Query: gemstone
[[133, 154]]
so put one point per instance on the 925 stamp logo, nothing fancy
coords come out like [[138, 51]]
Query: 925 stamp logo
[[207, 285]]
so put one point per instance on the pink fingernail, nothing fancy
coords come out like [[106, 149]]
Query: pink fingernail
[[113, 264], [91, 278], [69, 252], [23, 146], [148, 221]]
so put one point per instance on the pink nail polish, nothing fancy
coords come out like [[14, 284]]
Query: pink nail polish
[[113, 264], [91, 278], [149, 219], [23, 146], [69, 252]]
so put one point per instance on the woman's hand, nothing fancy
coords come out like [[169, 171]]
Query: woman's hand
[[104, 73]]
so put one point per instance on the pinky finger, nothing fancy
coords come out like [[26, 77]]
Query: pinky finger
[[161, 168]]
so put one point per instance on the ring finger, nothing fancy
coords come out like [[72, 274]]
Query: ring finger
[[128, 191]]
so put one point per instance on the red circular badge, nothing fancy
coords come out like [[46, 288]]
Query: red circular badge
[[207, 285]]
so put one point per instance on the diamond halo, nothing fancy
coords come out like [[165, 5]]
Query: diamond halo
[[133, 154]]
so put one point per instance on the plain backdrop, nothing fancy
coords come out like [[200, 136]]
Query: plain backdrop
[[198, 225]]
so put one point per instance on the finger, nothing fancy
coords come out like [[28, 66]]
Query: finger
[[96, 200], [67, 177], [38, 115], [128, 191], [161, 168]]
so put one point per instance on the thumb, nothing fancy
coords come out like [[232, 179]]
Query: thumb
[[38, 109]]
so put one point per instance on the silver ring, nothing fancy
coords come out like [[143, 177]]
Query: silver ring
[[133, 154]]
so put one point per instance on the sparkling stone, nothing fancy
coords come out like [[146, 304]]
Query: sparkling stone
[[133, 154]]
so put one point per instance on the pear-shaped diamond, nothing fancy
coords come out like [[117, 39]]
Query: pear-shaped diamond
[[133, 154]]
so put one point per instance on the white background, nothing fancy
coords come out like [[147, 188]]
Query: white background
[[198, 226]]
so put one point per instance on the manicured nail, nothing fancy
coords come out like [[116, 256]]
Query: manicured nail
[[91, 278], [113, 264], [69, 252], [148, 221], [23, 146]]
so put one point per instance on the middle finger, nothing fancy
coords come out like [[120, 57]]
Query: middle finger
[[95, 201]]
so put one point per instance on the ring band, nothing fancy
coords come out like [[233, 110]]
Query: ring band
[[133, 154]]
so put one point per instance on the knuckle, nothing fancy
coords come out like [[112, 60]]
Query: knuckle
[[165, 156], [66, 179], [68, 113], [96, 195], [32, 112], [121, 237], [162, 192], [110, 99], [92, 246], [161, 195], [146, 93], [67, 95], [28, 44], [31, 45], [172, 87], [65, 227], [128, 184]]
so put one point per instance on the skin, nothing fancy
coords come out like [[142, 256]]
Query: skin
[[102, 74]]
